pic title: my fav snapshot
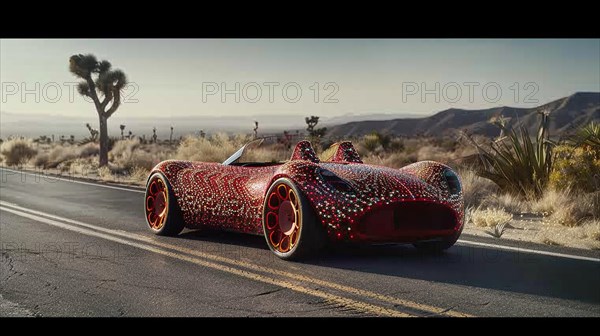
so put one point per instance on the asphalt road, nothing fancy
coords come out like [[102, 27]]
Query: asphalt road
[[80, 249]]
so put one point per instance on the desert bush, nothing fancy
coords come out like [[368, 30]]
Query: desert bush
[[577, 167], [514, 204], [83, 166], [488, 217], [60, 154], [434, 153], [588, 135], [577, 209], [213, 149], [17, 151], [40, 160], [370, 143], [105, 174], [89, 149], [123, 148], [219, 147], [475, 188], [139, 174], [567, 207], [127, 155], [393, 160]]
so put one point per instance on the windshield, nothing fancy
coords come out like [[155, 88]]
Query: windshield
[[237, 156]]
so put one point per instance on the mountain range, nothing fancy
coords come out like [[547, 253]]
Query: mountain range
[[565, 114]]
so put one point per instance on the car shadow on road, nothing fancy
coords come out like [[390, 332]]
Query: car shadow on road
[[480, 267], [234, 239]]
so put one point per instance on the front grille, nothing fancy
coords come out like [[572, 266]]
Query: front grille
[[410, 220]]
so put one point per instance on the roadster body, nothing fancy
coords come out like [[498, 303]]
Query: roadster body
[[303, 203]]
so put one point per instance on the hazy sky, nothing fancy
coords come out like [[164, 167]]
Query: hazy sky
[[184, 77]]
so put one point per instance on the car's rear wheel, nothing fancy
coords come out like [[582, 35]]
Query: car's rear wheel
[[289, 222], [438, 246], [163, 215]]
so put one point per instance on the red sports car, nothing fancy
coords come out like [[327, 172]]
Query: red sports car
[[300, 204]]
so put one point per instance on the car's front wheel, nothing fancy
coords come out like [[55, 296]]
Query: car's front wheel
[[290, 226], [163, 215]]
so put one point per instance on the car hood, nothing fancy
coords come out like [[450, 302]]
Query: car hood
[[378, 183]]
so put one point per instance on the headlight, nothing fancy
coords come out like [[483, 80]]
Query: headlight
[[453, 182], [334, 181]]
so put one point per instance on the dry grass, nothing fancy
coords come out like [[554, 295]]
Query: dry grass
[[566, 207], [59, 154], [475, 188], [488, 217], [510, 203], [393, 160], [550, 242], [17, 151], [219, 147], [105, 174], [83, 166], [128, 156], [139, 174]]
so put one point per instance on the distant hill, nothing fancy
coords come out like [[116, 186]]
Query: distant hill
[[34, 125], [565, 114]]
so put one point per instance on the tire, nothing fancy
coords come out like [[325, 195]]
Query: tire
[[163, 214], [438, 246], [284, 237]]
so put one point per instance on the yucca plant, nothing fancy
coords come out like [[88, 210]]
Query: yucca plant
[[517, 163], [588, 135], [498, 230]]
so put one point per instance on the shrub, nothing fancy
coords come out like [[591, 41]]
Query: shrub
[[393, 160], [60, 154], [475, 188], [489, 217], [139, 174], [214, 149], [370, 142], [588, 135], [40, 160], [17, 151], [577, 167], [516, 163]]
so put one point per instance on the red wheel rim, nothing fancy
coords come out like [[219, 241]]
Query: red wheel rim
[[283, 218], [157, 203]]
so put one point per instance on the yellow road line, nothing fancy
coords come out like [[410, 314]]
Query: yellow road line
[[346, 302], [255, 267]]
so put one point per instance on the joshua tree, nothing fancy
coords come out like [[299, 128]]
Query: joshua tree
[[171, 135], [106, 85], [255, 129], [130, 136], [313, 132], [202, 134], [72, 139], [154, 136], [93, 132], [122, 127], [286, 140]]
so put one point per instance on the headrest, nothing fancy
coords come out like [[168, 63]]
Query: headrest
[[341, 152], [304, 151]]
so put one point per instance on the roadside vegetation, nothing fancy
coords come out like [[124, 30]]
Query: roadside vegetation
[[516, 185]]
